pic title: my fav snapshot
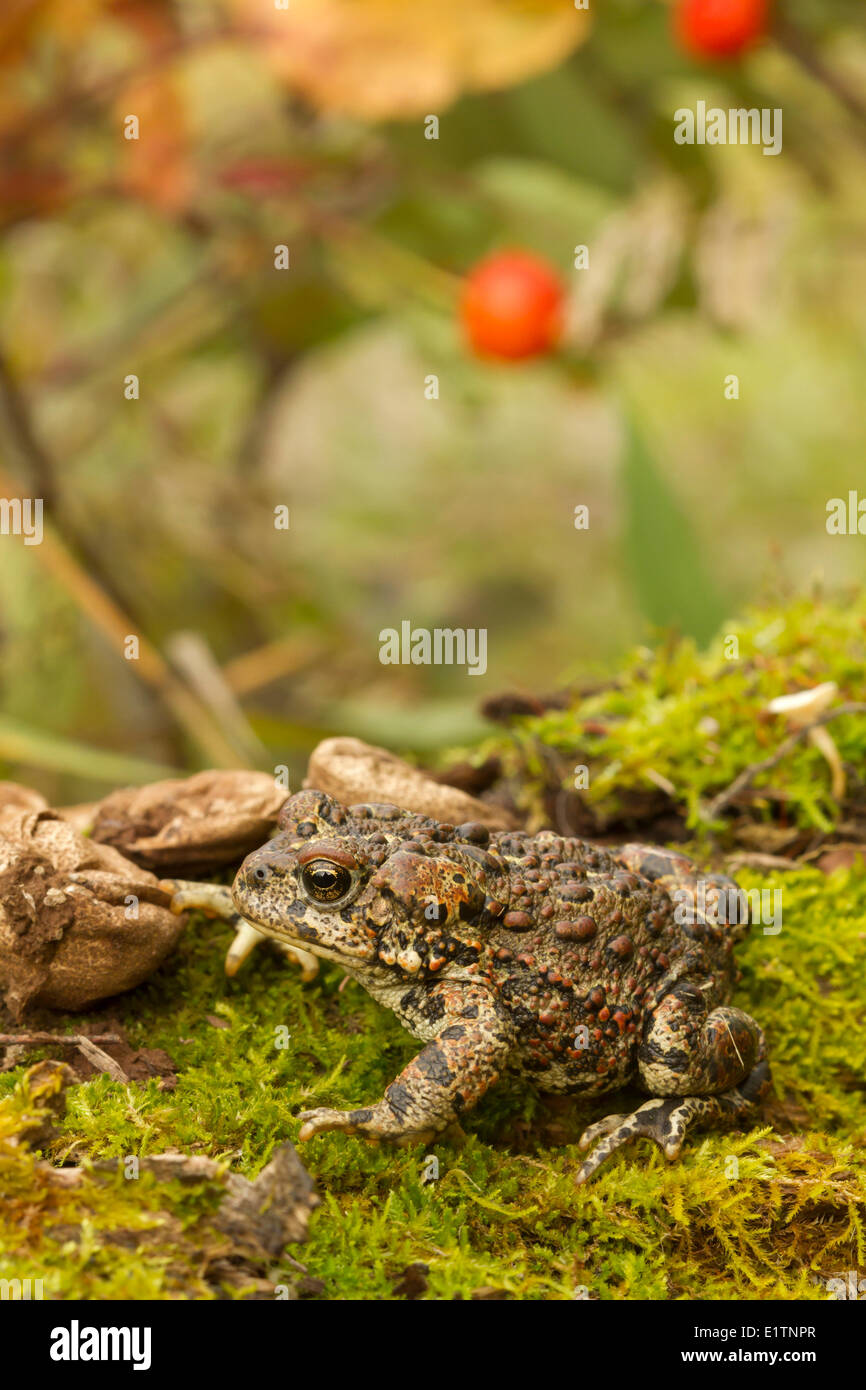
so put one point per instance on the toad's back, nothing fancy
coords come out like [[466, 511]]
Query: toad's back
[[587, 943]]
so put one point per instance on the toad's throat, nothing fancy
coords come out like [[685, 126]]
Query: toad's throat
[[303, 937]]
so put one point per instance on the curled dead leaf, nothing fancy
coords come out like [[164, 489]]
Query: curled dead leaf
[[78, 922], [354, 771], [191, 824]]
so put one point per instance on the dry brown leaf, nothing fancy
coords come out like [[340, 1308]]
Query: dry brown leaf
[[380, 59], [354, 772], [192, 823], [78, 922]]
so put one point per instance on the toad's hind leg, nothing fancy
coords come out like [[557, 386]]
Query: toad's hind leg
[[700, 1066], [666, 1121], [701, 893]]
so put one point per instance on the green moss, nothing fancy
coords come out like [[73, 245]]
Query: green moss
[[739, 1216], [697, 719], [78, 1240]]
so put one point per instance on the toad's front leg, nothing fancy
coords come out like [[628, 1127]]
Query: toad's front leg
[[215, 900], [446, 1078]]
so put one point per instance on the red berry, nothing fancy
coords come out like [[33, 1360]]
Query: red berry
[[511, 306], [720, 28]]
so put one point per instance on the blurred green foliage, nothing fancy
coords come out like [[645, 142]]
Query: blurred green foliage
[[305, 388]]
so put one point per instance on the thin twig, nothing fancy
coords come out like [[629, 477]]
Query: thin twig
[[271, 662], [748, 775], [39, 1039], [101, 1060], [193, 658], [117, 626], [761, 861], [97, 596], [23, 436], [86, 1046]]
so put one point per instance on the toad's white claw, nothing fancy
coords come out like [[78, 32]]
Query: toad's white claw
[[247, 938], [308, 963], [245, 942]]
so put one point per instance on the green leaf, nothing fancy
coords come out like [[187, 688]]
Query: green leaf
[[662, 554], [33, 748]]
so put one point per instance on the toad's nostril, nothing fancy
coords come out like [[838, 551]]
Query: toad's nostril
[[261, 872]]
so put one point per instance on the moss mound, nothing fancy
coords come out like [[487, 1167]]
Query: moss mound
[[680, 724]]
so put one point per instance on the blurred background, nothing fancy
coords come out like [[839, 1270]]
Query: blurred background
[[304, 387]]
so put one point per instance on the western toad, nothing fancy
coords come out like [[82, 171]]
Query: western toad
[[565, 962]]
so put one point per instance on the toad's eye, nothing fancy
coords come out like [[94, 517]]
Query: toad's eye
[[324, 881]]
